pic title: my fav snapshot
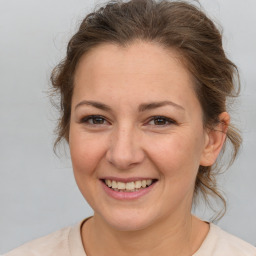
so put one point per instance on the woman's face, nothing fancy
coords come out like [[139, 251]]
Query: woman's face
[[135, 122]]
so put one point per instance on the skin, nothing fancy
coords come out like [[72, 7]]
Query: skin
[[126, 142]]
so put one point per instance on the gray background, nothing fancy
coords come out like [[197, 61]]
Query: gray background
[[38, 193]]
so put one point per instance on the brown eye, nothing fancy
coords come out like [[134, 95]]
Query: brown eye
[[161, 121], [98, 120], [94, 120]]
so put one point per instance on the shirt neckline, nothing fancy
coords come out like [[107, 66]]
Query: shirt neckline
[[77, 249], [75, 240], [209, 242]]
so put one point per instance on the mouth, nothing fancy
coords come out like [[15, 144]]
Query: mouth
[[131, 186]]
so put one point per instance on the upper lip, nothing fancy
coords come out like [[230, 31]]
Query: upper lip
[[125, 180]]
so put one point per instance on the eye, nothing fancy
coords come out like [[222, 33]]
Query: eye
[[161, 121], [94, 120]]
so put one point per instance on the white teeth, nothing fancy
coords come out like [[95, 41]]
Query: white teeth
[[120, 185], [129, 186], [109, 183], [149, 182], [114, 184], [137, 184]]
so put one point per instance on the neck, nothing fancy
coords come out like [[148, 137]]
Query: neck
[[181, 238]]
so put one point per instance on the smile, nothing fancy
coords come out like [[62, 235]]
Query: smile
[[127, 189], [132, 186]]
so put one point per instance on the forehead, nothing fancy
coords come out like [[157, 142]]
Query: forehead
[[141, 69], [138, 57]]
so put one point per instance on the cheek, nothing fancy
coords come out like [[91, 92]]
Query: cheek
[[85, 151], [178, 156]]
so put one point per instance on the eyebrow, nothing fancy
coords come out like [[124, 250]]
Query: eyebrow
[[142, 107], [153, 105], [95, 104]]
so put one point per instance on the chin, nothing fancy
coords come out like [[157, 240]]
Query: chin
[[129, 225], [129, 221]]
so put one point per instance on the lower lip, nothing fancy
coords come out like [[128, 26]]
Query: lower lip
[[127, 195]]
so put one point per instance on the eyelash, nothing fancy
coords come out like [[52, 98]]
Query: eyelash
[[93, 118], [167, 121]]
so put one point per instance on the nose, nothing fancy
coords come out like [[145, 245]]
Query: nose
[[125, 151]]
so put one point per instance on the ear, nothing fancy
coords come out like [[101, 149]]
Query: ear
[[214, 140]]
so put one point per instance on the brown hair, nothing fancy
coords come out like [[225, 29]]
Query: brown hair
[[172, 24]]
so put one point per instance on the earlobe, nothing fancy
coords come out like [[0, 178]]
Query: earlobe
[[215, 138]]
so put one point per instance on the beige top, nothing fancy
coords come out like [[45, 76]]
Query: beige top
[[68, 242]]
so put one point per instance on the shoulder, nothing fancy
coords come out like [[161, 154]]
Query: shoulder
[[64, 242], [52, 244], [220, 243]]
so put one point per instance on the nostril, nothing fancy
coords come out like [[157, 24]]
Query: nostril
[[124, 152], [124, 160]]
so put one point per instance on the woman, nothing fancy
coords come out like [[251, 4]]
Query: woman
[[144, 89]]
